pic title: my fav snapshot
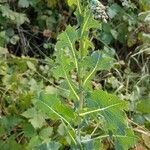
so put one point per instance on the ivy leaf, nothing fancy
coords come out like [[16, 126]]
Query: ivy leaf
[[36, 118], [37, 121]]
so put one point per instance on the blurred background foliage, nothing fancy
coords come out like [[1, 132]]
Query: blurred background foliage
[[28, 33]]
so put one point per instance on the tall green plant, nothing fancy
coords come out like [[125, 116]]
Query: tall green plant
[[88, 116]]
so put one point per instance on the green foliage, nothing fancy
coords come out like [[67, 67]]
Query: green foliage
[[87, 105], [61, 102]]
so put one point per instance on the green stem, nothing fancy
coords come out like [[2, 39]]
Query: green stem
[[79, 6], [81, 92]]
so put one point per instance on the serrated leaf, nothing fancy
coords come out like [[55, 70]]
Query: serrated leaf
[[66, 47], [54, 105], [103, 61], [108, 106], [88, 22], [68, 37], [111, 111], [37, 119]]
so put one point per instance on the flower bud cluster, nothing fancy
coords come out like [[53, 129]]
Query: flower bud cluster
[[99, 10]]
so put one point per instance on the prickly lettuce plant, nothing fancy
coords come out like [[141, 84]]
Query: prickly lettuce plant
[[86, 115]]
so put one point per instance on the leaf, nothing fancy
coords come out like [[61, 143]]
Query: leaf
[[114, 33], [67, 39], [108, 105], [72, 2], [11, 144], [31, 65], [103, 61], [36, 118], [29, 113], [3, 51], [28, 130], [114, 10], [111, 111], [88, 22], [10, 121], [34, 141], [125, 142], [66, 44], [14, 39], [46, 133], [18, 18], [57, 72], [61, 129], [55, 106], [37, 121], [144, 4], [144, 106]]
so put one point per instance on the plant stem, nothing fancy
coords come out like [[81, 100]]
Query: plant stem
[[81, 94]]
